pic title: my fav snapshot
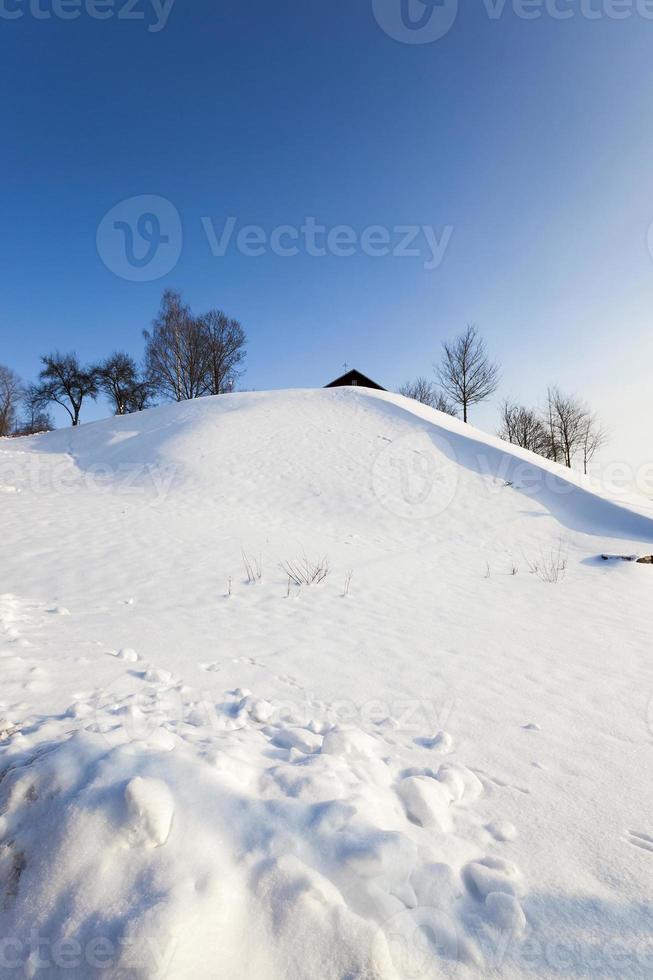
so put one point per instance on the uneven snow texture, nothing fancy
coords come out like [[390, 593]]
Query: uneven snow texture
[[203, 842], [438, 766]]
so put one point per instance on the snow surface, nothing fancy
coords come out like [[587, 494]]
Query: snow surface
[[433, 763]]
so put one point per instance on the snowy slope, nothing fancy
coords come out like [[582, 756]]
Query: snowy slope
[[444, 771]]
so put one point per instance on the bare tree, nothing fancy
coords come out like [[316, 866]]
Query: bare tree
[[554, 450], [594, 436], [428, 393], [567, 423], [466, 373], [64, 382], [11, 391], [119, 379], [565, 416], [176, 352], [225, 340], [523, 427], [34, 417], [572, 429]]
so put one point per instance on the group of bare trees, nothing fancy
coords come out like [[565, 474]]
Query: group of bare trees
[[185, 357], [565, 430], [428, 393], [20, 414], [63, 381]]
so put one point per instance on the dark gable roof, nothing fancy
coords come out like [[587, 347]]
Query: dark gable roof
[[352, 376]]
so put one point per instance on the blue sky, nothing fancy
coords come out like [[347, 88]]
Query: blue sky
[[531, 140]]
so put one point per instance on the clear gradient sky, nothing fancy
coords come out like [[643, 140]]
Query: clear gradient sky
[[531, 138]]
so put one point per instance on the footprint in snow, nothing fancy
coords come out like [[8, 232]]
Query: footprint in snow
[[531, 727], [442, 742], [502, 830], [126, 654], [290, 681], [500, 783], [248, 660], [643, 841]]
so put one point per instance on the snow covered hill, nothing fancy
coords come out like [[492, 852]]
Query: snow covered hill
[[433, 762]]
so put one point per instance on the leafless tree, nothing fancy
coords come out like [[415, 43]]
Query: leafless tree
[[11, 391], [34, 417], [523, 427], [594, 436], [554, 450], [176, 354], [119, 379], [64, 382], [565, 416], [428, 393], [225, 340], [466, 373], [572, 429], [421, 389]]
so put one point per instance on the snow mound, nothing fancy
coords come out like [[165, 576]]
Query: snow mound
[[166, 853], [357, 440], [428, 763]]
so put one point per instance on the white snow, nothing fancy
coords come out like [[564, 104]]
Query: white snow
[[446, 774]]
